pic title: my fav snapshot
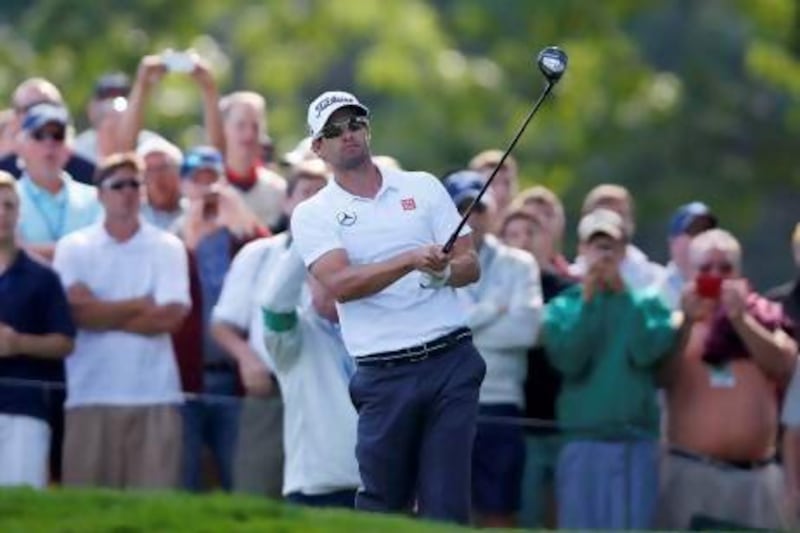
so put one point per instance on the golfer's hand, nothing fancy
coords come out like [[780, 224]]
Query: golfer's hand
[[435, 280], [430, 258]]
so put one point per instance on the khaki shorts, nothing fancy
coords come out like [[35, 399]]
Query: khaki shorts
[[122, 446], [258, 461], [693, 490]]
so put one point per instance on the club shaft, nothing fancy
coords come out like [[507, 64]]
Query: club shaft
[[452, 240]]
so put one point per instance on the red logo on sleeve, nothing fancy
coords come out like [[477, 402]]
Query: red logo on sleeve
[[408, 204]]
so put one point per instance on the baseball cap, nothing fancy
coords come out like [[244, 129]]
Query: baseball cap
[[464, 185], [112, 85], [324, 105], [45, 113], [603, 221], [691, 219], [202, 157], [113, 162], [157, 144], [299, 153]]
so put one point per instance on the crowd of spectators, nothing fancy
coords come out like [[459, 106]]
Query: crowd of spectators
[[158, 330]]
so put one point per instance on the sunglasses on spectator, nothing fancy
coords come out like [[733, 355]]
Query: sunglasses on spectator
[[719, 268], [118, 185], [333, 130], [53, 135]]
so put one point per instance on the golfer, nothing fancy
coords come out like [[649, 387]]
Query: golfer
[[373, 237]]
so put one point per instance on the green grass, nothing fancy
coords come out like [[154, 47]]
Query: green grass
[[86, 511]]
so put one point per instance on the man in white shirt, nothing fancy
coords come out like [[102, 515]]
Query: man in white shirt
[[314, 370], [373, 237], [503, 311], [236, 326], [128, 288]]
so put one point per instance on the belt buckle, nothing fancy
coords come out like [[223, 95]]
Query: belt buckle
[[419, 354]]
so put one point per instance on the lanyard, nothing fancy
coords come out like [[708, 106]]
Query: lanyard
[[55, 227]]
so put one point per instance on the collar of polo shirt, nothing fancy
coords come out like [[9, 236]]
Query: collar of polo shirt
[[389, 179]]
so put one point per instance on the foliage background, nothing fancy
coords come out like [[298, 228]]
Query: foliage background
[[675, 99]]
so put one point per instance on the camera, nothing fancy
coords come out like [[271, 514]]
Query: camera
[[178, 61]]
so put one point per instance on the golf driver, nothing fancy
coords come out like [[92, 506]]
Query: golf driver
[[552, 61]]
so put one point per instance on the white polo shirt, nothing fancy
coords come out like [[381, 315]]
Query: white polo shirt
[[412, 209], [239, 303], [115, 367]]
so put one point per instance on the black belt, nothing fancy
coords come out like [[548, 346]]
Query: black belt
[[417, 353], [711, 461]]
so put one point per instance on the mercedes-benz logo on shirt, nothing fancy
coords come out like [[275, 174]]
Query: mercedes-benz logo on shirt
[[346, 218]]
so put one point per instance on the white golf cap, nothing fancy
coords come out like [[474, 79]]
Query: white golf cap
[[324, 105], [602, 221], [157, 144]]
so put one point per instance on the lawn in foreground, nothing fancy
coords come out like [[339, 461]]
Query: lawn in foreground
[[85, 511]]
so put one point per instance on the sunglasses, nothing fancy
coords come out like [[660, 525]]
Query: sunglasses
[[720, 268], [333, 130], [53, 135], [118, 185]]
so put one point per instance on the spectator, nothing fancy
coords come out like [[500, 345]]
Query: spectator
[[52, 204], [237, 327], [7, 132], [522, 230], [314, 370], [162, 181], [544, 206], [722, 394], [34, 91], [152, 69], [638, 271], [301, 152], [607, 341], [105, 111], [688, 221], [386, 161], [35, 328], [503, 312], [216, 226], [128, 289], [505, 184], [244, 121]]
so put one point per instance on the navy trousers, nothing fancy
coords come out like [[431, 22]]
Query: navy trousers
[[416, 429]]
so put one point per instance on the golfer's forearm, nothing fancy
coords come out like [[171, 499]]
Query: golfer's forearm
[[464, 270], [359, 281]]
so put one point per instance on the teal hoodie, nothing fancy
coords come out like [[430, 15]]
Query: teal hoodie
[[608, 352]]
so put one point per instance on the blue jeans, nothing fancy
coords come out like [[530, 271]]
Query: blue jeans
[[416, 428], [212, 422], [607, 485]]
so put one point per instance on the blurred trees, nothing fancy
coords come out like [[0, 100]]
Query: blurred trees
[[675, 99]]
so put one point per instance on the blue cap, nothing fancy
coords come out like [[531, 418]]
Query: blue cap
[[202, 157], [45, 113], [465, 185], [685, 217]]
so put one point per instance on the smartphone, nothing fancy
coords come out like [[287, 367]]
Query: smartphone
[[708, 286], [210, 206], [177, 61]]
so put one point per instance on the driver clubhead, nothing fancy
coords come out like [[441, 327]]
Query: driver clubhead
[[552, 61]]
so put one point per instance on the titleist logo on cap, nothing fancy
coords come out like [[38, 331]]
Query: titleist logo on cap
[[325, 103]]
